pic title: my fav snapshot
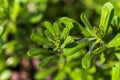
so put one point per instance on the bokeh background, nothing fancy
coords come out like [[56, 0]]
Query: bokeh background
[[19, 18]]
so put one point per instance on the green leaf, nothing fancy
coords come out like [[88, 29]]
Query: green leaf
[[115, 25], [48, 45], [49, 27], [49, 36], [68, 26], [77, 74], [16, 10], [71, 51], [117, 54], [39, 51], [116, 72], [56, 28], [106, 16], [115, 21], [86, 23], [2, 26], [59, 74], [44, 73], [46, 61], [69, 39], [100, 49], [71, 45], [66, 31], [66, 20], [38, 38], [87, 60], [84, 31], [115, 42], [89, 57], [36, 18]]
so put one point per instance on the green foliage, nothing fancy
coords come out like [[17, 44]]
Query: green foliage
[[38, 51], [116, 72], [15, 18], [38, 38], [59, 38], [86, 23], [115, 41], [106, 16], [66, 47], [44, 73]]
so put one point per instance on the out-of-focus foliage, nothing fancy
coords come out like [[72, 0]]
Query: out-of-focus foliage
[[64, 43], [16, 20]]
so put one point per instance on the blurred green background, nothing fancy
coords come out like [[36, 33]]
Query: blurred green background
[[19, 18]]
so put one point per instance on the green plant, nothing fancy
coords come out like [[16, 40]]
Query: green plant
[[61, 46]]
